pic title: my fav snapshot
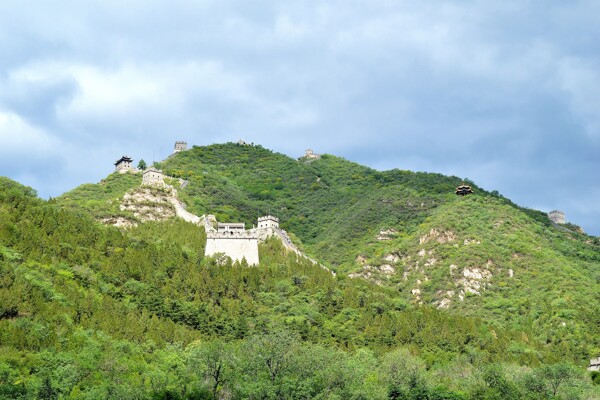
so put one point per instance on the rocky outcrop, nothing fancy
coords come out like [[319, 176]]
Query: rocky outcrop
[[438, 236], [149, 204], [386, 234]]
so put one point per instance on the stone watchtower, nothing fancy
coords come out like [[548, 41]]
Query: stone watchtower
[[268, 221], [309, 153], [556, 216], [123, 164], [180, 146], [153, 177]]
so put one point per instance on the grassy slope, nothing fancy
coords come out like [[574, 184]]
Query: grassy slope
[[102, 199], [334, 206], [87, 310], [62, 275], [337, 207], [555, 287]]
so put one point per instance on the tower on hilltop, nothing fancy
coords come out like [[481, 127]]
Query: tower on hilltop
[[310, 154], [233, 240], [123, 164], [180, 146], [463, 190], [268, 221], [153, 177]]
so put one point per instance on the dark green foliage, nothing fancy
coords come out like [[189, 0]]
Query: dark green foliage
[[88, 311], [595, 375]]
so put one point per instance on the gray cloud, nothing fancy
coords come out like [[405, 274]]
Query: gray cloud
[[506, 94]]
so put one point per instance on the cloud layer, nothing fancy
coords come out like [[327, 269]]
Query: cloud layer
[[505, 94]]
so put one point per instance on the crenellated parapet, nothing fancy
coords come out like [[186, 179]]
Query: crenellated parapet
[[232, 235]]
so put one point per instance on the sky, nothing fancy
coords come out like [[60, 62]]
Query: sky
[[504, 93]]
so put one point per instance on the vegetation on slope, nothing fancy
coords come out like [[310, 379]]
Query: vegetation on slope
[[102, 200], [88, 311]]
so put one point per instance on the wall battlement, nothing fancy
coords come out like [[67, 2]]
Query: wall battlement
[[231, 235]]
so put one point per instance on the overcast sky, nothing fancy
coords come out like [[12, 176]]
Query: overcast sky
[[505, 93]]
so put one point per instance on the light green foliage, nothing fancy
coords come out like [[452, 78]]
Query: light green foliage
[[88, 311], [103, 199]]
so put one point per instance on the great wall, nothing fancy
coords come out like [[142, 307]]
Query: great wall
[[230, 239], [155, 200]]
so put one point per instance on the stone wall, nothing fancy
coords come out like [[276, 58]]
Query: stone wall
[[180, 146], [236, 245], [153, 177]]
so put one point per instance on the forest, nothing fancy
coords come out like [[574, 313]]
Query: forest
[[93, 312]]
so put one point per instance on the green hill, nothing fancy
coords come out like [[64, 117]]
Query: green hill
[[436, 296], [479, 255]]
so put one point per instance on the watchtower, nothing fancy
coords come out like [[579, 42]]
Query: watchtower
[[268, 221], [180, 146], [123, 164], [309, 153], [463, 190], [231, 227], [557, 216], [153, 177]]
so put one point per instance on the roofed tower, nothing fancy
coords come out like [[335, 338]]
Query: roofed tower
[[463, 190], [123, 164]]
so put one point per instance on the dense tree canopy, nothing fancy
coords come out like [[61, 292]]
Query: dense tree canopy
[[89, 311]]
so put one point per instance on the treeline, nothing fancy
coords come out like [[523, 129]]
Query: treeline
[[274, 364]]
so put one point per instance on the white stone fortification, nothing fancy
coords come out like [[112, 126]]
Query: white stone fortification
[[153, 177], [236, 245]]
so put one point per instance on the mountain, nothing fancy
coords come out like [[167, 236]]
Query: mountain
[[89, 310], [479, 255]]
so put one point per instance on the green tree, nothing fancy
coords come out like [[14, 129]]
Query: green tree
[[215, 361], [558, 375], [142, 164]]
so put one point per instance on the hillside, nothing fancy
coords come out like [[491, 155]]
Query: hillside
[[480, 255], [465, 284], [88, 311]]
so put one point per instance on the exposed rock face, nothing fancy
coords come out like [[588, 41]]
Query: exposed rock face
[[374, 274], [391, 258], [474, 280], [119, 222], [387, 269], [149, 204], [386, 234], [440, 237]]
